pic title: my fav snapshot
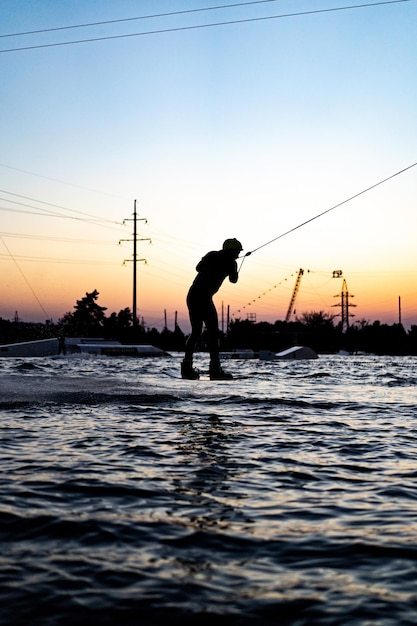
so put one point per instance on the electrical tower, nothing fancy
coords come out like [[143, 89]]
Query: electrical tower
[[294, 295], [135, 259], [345, 305]]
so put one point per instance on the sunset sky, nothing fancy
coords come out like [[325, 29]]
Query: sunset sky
[[221, 124]]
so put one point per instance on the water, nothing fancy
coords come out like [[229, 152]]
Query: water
[[286, 496]]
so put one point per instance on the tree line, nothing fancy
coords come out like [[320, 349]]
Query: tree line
[[317, 330]]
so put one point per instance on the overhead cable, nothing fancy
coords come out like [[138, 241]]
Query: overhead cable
[[24, 277], [93, 217], [62, 239], [140, 17], [201, 26], [62, 182]]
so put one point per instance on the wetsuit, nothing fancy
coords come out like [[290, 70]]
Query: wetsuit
[[212, 270]]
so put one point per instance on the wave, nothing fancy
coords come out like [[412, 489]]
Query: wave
[[132, 400], [87, 398]]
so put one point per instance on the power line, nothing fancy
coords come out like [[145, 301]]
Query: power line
[[24, 277], [38, 259], [45, 213], [41, 211], [98, 221], [62, 239], [201, 26], [62, 182], [141, 17], [57, 206]]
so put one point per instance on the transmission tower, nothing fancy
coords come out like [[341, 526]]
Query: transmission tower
[[135, 259], [345, 305]]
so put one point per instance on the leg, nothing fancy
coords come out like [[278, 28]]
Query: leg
[[212, 325], [190, 345], [187, 370]]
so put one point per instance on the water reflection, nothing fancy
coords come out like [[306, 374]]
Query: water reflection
[[205, 447]]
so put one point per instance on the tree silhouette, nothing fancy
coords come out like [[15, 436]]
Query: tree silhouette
[[87, 319], [316, 320]]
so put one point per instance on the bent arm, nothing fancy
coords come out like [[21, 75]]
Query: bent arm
[[234, 276]]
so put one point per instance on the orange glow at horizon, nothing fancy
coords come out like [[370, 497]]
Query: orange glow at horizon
[[59, 287]]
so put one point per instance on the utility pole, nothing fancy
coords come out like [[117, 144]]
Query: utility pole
[[345, 305], [135, 259], [399, 309]]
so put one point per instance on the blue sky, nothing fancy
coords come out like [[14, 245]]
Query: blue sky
[[244, 130]]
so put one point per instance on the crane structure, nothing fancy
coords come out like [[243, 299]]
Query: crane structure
[[345, 305], [294, 295]]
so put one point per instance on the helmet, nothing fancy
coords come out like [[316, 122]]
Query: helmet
[[232, 244]]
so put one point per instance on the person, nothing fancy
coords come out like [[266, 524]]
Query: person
[[212, 270], [62, 347]]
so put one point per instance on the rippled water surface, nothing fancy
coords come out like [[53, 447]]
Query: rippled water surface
[[285, 496]]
